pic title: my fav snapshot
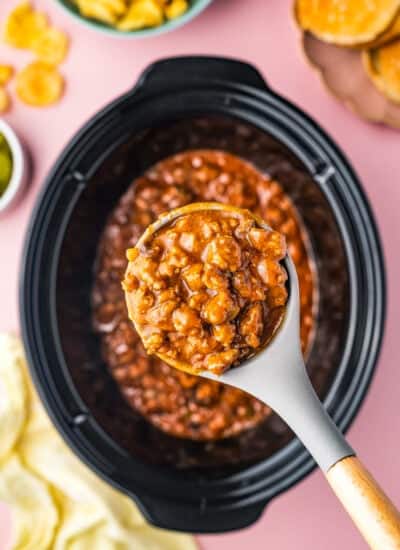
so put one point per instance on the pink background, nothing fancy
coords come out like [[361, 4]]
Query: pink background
[[98, 69]]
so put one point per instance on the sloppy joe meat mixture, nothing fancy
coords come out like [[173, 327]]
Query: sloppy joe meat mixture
[[181, 404], [207, 290]]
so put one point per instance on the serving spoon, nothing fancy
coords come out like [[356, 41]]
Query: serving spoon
[[277, 376]]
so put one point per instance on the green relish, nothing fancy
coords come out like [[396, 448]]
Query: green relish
[[6, 164]]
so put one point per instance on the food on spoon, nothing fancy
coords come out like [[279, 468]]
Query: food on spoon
[[132, 15], [346, 22], [39, 84], [23, 26], [205, 287], [383, 67]]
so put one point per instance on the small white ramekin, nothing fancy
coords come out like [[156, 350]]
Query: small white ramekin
[[19, 176]]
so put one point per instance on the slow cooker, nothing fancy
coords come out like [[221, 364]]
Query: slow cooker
[[180, 104]]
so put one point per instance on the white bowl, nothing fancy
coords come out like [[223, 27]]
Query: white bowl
[[19, 174]]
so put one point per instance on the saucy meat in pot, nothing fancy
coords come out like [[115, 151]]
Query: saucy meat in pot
[[178, 403], [205, 287]]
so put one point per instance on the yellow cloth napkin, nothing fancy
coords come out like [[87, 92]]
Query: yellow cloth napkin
[[57, 503]]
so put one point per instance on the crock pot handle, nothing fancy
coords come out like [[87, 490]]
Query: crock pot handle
[[201, 519], [199, 70]]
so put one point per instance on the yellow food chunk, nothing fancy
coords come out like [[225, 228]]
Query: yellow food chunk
[[94, 9], [346, 22], [6, 72], [176, 8], [119, 7], [383, 67], [23, 26], [141, 14], [39, 84], [4, 100], [51, 46]]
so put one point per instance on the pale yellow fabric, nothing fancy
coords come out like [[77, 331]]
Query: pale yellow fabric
[[56, 501], [34, 510], [13, 394]]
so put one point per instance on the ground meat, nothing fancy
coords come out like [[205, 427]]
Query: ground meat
[[169, 266]]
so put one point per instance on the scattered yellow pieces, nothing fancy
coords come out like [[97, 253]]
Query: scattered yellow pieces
[[23, 26], [51, 46], [6, 72], [132, 15], [39, 84], [4, 100], [141, 14], [383, 67], [28, 29]]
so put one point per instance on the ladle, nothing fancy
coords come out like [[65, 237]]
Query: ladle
[[277, 376]]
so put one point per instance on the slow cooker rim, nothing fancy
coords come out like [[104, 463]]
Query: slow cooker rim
[[308, 463]]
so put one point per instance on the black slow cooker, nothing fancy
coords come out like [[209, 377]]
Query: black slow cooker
[[179, 104]]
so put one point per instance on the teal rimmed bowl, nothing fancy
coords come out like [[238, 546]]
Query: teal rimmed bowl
[[195, 7]]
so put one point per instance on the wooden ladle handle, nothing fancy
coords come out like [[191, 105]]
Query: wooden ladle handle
[[371, 510]]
